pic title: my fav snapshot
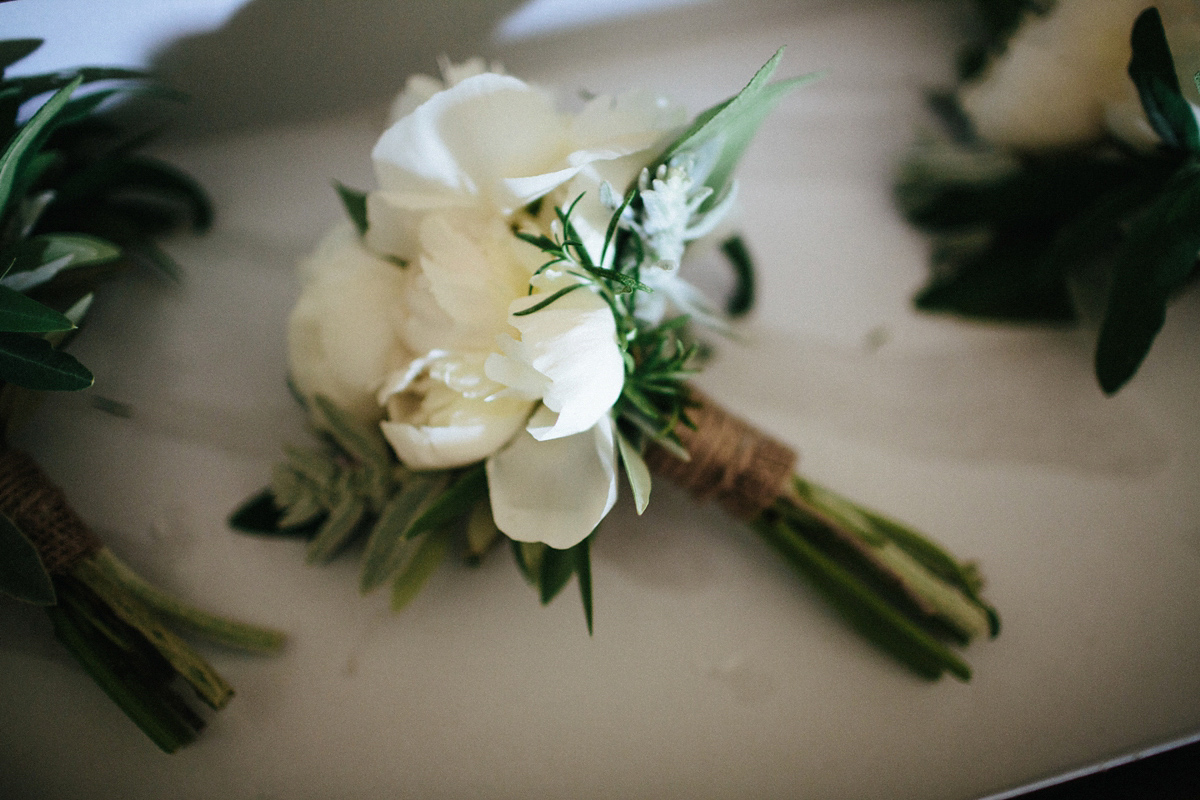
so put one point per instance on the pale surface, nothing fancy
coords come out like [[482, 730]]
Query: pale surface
[[713, 672]]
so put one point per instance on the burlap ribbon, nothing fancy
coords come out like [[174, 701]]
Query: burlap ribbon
[[732, 462], [40, 510]]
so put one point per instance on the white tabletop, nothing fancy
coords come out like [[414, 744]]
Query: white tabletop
[[713, 671]]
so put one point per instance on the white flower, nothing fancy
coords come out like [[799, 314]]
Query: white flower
[[1063, 80], [471, 355]]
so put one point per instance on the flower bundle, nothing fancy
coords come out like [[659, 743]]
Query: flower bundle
[[1071, 155], [504, 326], [76, 202]]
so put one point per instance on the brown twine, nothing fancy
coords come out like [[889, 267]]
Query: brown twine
[[40, 510], [740, 466]]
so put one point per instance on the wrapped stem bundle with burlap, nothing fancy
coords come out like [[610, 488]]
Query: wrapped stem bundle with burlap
[[895, 586], [114, 623]]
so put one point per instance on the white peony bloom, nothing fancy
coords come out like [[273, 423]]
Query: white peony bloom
[[448, 346], [1063, 81]]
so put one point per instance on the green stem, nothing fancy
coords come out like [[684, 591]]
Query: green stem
[[865, 609], [221, 630], [921, 573], [168, 726]]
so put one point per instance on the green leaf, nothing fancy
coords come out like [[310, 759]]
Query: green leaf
[[40, 259], [481, 531], [261, 516], [542, 304], [22, 574], [742, 299], [636, 472], [583, 568], [28, 139], [528, 556], [1158, 256], [735, 121], [336, 531], [13, 50], [556, 569], [387, 547], [424, 563], [1153, 72], [20, 314], [355, 203], [31, 362], [457, 501]]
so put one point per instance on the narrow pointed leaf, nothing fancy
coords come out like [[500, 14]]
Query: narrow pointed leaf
[[735, 121], [583, 568], [636, 472], [388, 548], [416, 574], [457, 501], [336, 531], [31, 362], [364, 442], [13, 50], [1156, 259], [20, 314], [556, 569], [22, 574], [27, 139], [1153, 72], [355, 203]]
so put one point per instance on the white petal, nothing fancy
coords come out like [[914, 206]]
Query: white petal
[[443, 412], [343, 334], [470, 138], [448, 446], [554, 491], [573, 343], [393, 217], [474, 268]]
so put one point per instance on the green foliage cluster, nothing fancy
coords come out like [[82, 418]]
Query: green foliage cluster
[[76, 202], [1011, 230]]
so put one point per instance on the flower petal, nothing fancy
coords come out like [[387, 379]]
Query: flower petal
[[573, 342], [470, 138], [343, 334], [554, 491], [443, 412]]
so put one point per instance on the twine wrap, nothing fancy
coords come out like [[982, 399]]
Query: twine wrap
[[731, 461], [40, 510]]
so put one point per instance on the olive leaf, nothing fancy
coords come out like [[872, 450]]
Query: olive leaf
[[1153, 72]]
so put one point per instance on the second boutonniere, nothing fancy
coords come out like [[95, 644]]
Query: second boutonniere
[[504, 327], [1071, 159]]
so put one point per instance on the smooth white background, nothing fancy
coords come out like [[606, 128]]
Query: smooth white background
[[713, 671]]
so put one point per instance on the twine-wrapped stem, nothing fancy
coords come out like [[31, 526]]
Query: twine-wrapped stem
[[897, 587], [731, 461]]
